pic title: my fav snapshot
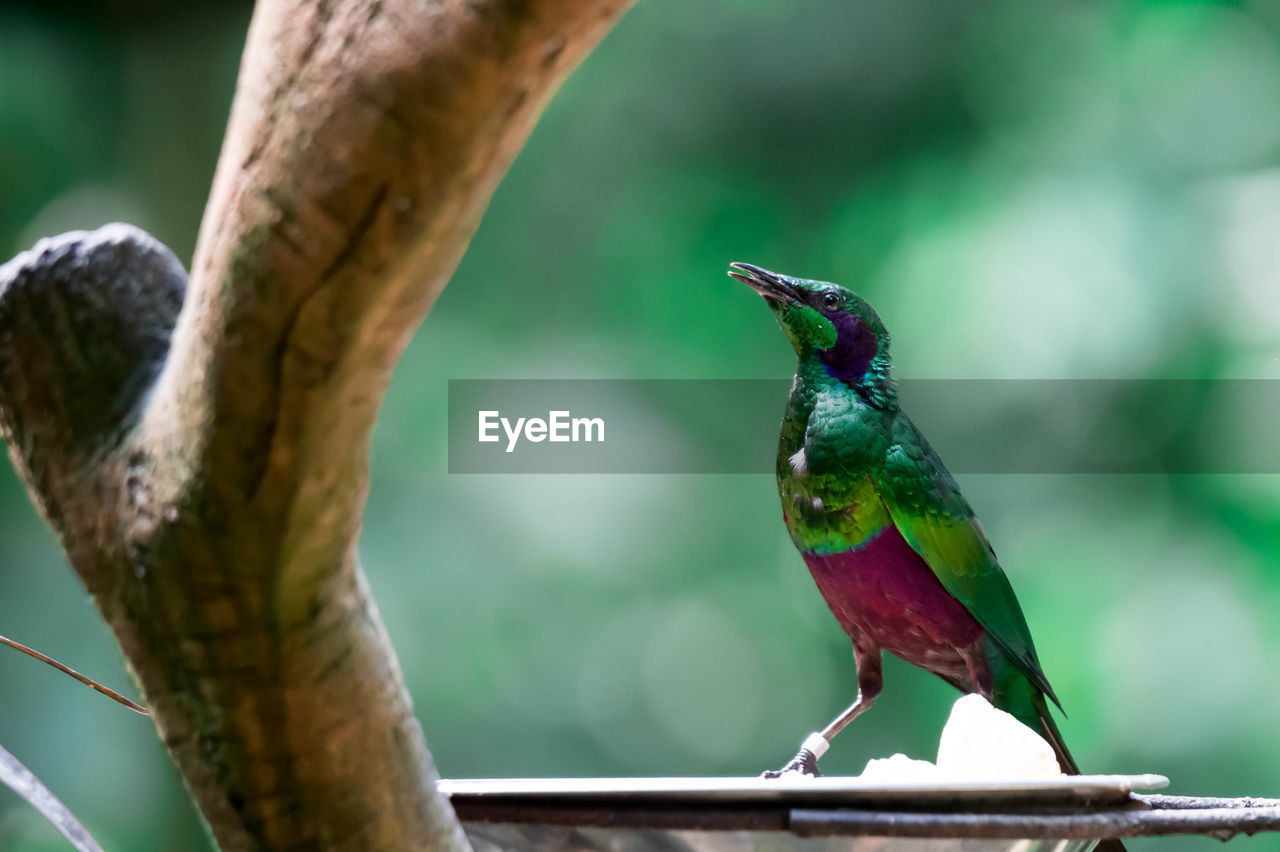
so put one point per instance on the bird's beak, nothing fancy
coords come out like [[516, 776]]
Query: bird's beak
[[772, 286]]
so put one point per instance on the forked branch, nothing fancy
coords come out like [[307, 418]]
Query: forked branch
[[206, 470]]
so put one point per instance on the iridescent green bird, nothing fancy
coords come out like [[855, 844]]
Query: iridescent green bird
[[892, 543]]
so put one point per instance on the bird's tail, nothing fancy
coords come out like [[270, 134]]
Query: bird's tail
[[1048, 729]]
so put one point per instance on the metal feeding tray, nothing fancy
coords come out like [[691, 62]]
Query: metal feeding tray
[[747, 814], [1064, 791]]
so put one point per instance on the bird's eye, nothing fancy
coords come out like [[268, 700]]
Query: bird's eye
[[831, 301]]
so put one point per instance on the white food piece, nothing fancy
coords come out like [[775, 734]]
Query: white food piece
[[899, 768], [981, 743]]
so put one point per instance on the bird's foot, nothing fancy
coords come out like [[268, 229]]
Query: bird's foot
[[804, 764]]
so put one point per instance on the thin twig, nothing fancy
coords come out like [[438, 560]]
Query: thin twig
[[22, 781], [105, 690]]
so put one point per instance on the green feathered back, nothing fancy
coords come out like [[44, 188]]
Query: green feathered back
[[933, 516]]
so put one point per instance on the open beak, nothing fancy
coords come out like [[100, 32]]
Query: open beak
[[768, 284]]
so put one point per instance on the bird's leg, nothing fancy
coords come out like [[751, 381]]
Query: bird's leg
[[816, 744], [870, 680]]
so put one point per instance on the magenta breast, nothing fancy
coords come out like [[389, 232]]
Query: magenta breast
[[884, 591]]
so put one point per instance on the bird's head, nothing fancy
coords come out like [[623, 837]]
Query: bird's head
[[824, 321]]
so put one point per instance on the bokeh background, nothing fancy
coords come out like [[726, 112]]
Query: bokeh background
[[1051, 190]]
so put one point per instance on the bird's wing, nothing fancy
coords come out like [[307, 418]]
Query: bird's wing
[[932, 515]]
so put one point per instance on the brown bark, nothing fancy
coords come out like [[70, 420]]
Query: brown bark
[[206, 470]]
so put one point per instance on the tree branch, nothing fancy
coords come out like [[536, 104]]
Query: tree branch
[[85, 320], [209, 492]]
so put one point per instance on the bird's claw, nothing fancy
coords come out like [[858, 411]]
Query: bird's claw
[[804, 764]]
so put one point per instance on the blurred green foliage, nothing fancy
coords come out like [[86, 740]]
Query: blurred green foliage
[[1064, 189]]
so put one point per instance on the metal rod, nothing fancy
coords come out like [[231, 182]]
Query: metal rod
[[1221, 823]]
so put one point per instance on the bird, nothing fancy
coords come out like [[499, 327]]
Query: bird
[[892, 543]]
